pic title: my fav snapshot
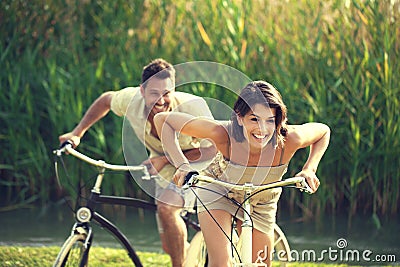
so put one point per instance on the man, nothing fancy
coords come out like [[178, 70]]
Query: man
[[139, 104]]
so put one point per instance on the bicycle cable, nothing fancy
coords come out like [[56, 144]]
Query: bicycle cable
[[230, 238], [77, 191], [239, 207]]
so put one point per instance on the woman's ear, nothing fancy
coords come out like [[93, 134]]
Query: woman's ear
[[239, 120]]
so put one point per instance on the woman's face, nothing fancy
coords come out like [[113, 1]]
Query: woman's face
[[258, 125]]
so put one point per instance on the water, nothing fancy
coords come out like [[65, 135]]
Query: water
[[47, 227], [333, 241], [38, 227]]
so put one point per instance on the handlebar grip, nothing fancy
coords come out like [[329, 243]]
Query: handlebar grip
[[306, 187], [68, 142], [189, 176], [62, 149], [146, 174]]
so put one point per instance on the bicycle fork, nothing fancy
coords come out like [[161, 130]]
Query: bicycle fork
[[247, 227]]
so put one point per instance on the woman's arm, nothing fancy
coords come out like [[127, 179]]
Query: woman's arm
[[169, 123], [316, 136]]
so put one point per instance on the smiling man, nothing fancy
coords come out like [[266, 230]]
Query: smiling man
[[140, 104]]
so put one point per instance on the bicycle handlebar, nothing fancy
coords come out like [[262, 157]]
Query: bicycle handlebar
[[67, 148], [192, 178]]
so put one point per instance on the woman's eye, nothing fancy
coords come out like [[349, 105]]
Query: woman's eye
[[254, 119]]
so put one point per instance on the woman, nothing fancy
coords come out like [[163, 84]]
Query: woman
[[255, 146]]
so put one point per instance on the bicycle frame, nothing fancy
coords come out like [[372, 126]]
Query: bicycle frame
[[247, 227], [87, 213]]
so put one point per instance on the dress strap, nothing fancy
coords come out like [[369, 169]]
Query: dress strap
[[280, 160], [229, 146]]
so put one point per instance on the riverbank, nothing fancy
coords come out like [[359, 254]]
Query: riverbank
[[17, 256]]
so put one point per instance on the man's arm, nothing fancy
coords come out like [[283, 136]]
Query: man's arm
[[194, 155], [99, 108], [200, 154]]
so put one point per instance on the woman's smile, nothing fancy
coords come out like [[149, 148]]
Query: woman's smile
[[258, 125]]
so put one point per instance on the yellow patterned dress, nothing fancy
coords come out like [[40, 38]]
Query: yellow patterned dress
[[263, 204]]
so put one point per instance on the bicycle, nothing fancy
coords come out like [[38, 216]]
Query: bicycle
[[242, 245], [76, 248]]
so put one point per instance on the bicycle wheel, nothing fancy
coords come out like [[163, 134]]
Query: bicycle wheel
[[197, 252], [197, 255], [73, 252], [281, 246]]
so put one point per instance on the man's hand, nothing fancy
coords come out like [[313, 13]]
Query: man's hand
[[180, 174], [155, 165], [70, 137], [311, 178]]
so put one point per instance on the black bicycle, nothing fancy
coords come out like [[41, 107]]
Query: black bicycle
[[76, 248]]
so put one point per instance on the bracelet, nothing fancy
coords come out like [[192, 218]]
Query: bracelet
[[182, 165]]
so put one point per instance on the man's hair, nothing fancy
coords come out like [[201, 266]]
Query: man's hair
[[159, 68], [260, 92]]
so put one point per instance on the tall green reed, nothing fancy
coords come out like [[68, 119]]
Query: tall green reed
[[333, 62]]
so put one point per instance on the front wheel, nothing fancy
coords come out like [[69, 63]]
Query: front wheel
[[197, 253], [73, 252], [281, 246]]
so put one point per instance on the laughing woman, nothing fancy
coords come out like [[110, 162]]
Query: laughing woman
[[255, 146]]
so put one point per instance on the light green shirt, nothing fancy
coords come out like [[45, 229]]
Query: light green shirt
[[130, 103]]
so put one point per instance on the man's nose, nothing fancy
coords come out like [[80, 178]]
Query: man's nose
[[161, 100]]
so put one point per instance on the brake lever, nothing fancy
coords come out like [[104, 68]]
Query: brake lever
[[146, 174], [62, 148], [190, 179], [305, 187]]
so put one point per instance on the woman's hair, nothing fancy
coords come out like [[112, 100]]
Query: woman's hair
[[159, 68], [260, 92]]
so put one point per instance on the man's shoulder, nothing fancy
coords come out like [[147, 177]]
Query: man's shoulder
[[126, 93], [123, 98], [129, 90], [191, 104], [183, 97]]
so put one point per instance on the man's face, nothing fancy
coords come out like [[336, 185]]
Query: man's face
[[157, 93]]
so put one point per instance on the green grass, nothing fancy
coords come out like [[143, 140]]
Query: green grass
[[44, 256]]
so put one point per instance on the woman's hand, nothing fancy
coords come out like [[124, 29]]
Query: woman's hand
[[311, 178], [180, 174]]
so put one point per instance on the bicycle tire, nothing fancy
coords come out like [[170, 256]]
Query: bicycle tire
[[73, 252], [197, 255], [197, 252], [281, 246]]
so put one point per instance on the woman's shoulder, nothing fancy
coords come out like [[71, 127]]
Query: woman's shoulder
[[293, 134], [221, 129], [299, 135], [221, 137]]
